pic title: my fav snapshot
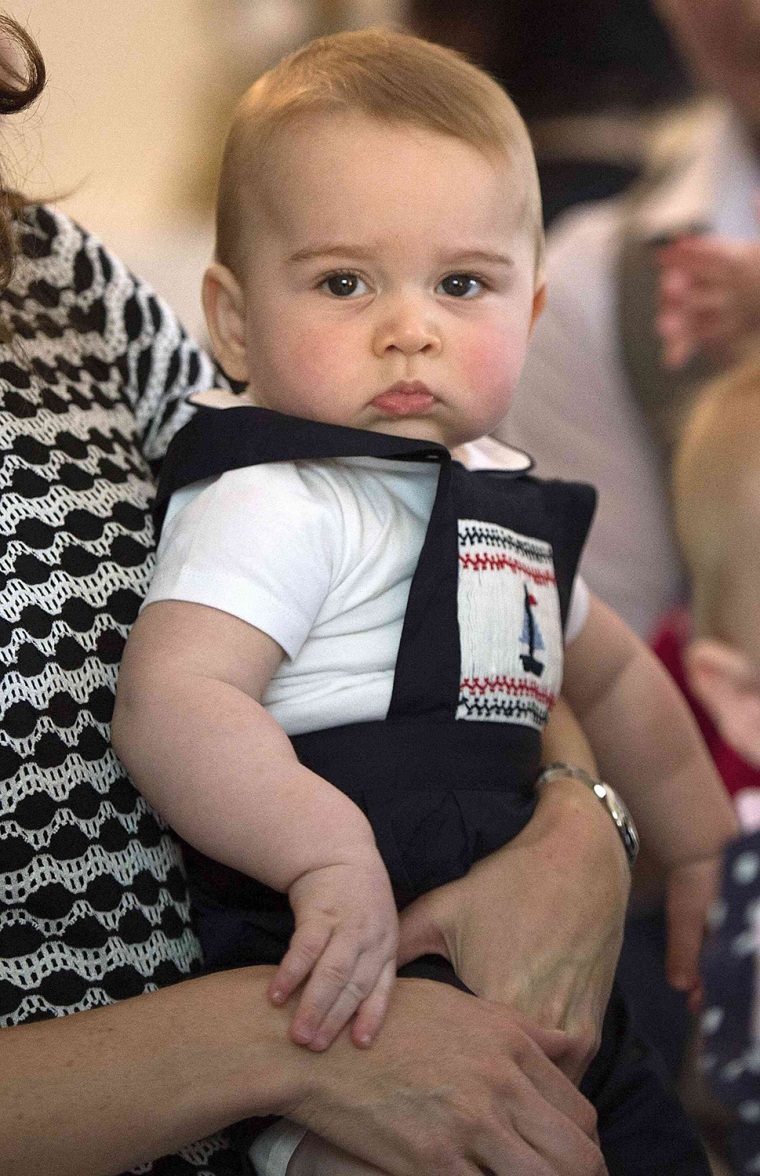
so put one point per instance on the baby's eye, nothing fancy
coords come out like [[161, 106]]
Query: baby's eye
[[344, 285], [459, 286]]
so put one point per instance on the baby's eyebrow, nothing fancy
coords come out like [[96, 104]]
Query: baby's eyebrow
[[477, 256], [331, 249], [346, 250]]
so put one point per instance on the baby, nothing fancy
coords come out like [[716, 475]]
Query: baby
[[717, 505], [337, 686]]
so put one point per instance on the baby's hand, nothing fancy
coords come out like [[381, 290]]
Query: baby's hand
[[709, 298], [345, 941], [691, 890]]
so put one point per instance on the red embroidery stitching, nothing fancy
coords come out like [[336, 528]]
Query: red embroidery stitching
[[504, 685], [495, 563]]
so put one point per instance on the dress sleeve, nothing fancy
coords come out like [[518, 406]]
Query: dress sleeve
[[137, 332], [258, 543]]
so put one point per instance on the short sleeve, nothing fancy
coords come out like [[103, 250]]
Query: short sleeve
[[162, 364], [577, 614], [257, 543]]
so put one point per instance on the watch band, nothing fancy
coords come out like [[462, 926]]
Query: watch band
[[607, 796]]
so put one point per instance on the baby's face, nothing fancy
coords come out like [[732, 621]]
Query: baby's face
[[388, 282]]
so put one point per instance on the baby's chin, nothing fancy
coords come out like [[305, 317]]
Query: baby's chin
[[418, 428]]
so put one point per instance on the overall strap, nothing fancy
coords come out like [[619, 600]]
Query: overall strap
[[533, 518], [217, 440], [426, 681]]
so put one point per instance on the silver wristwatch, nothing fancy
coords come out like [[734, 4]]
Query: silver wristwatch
[[622, 819]]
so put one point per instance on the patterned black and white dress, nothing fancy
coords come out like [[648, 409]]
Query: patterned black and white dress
[[93, 900]]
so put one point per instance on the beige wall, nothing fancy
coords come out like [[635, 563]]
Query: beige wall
[[117, 124], [132, 117], [118, 117]]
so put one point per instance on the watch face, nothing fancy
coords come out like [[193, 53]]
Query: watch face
[[624, 822], [607, 796]]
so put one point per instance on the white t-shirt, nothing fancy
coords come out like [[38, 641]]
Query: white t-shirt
[[320, 556]]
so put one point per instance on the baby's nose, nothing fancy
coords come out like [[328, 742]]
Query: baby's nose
[[407, 326]]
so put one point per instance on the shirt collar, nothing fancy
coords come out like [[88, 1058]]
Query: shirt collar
[[489, 454]]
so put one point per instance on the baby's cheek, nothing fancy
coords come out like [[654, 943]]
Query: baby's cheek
[[309, 360], [493, 365]]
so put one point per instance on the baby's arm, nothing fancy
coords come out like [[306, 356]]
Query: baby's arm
[[190, 729], [647, 745]]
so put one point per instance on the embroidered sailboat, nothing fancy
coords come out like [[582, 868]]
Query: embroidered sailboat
[[531, 636]]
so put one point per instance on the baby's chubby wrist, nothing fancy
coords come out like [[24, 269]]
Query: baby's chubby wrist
[[355, 851], [330, 831]]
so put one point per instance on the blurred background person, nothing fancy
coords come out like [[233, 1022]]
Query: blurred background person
[[598, 375], [605, 384], [717, 510], [589, 79]]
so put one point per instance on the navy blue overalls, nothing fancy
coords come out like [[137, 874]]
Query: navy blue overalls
[[448, 776]]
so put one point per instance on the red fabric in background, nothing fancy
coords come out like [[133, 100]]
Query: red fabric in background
[[668, 643]]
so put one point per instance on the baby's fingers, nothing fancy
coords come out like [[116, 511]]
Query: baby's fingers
[[371, 1012], [331, 996], [685, 937], [690, 893], [305, 948], [339, 984], [685, 934]]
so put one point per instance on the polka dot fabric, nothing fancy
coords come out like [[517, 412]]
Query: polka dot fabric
[[93, 901], [731, 1051]]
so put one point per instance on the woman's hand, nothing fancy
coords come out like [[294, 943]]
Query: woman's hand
[[453, 1086], [537, 925]]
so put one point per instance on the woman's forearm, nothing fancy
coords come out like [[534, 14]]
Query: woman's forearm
[[98, 1092], [649, 748], [449, 1080]]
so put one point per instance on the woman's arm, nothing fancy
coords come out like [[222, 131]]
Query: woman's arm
[[538, 924], [453, 1085]]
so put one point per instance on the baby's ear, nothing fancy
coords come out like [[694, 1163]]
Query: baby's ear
[[539, 302], [224, 307], [728, 686]]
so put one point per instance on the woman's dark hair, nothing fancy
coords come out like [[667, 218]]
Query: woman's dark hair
[[22, 79]]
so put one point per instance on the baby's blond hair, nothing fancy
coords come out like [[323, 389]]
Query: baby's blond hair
[[389, 76], [716, 484]]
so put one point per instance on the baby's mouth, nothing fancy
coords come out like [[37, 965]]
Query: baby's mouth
[[405, 398]]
